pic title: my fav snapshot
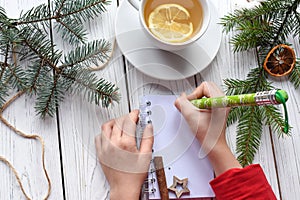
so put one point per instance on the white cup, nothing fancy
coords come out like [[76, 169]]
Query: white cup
[[171, 46]]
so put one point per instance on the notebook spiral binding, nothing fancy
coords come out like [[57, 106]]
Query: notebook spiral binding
[[144, 119]]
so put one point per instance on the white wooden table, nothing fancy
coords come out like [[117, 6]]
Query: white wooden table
[[69, 136]]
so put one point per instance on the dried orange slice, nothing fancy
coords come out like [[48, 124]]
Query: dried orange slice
[[171, 23], [280, 60]]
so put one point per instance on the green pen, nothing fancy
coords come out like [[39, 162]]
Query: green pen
[[272, 97]]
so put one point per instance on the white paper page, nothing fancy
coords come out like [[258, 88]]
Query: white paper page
[[179, 148]]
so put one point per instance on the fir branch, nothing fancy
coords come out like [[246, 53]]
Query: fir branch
[[37, 74], [26, 39], [2, 14], [264, 26], [233, 20], [3, 67], [282, 32], [3, 94], [234, 114], [88, 54], [16, 77], [40, 48], [59, 5], [84, 10], [35, 15], [296, 26], [3, 87], [236, 86], [96, 90], [249, 132], [49, 95], [255, 81], [294, 77], [107, 93], [258, 80], [68, 14], [249, 33], [71, 30]]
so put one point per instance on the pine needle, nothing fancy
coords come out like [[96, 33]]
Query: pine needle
[[51, 73]]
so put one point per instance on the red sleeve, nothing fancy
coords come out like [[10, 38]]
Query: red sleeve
[[245, 183]]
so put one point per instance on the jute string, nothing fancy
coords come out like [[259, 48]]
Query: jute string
[[27, 136]]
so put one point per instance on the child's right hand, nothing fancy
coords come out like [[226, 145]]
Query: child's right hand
[[207, 125]]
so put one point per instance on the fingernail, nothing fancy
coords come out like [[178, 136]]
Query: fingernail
[[149, 126]]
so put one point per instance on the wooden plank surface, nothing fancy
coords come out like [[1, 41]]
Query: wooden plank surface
[[25, 154], [79, 122]]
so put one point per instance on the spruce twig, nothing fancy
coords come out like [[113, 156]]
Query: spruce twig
[[49, 72], [261, 28]]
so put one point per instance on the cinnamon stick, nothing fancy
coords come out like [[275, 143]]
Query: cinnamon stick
[[161, 177]]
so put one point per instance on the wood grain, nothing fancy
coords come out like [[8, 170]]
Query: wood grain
[[25, 154], [70, 152]]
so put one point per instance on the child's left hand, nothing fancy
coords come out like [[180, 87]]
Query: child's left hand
[[123, 164]]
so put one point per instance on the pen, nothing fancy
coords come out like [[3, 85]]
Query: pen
[[272, 97]]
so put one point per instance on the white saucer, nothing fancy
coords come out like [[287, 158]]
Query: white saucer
[[160, 64]]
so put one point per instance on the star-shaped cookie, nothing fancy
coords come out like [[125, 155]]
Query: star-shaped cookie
[[182, 182]]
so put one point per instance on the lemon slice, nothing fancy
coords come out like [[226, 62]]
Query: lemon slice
[[171, 23]]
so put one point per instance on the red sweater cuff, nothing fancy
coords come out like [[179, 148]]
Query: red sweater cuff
[[243, 183]]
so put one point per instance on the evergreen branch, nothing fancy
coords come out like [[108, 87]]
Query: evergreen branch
[[9, 38], [60, 6], [294, 77], [234, 114], [88, 54], [284, 22], [297, 24], [273, 118], [96, 90], [2, 14], [236, 86], [256, 81], [3, 19], [83, 10], [41, 14], [74, 31], [3, 67], [249, 132], [25, 39], [233, 20], [263, 26], [35, 15], [107, 93], [16, 77], [49, 96], [5, 63], [3, 87], [3, 94], [40, 48], [36, 75]]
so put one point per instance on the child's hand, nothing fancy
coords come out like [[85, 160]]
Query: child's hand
[[124, 166], [207, 125]]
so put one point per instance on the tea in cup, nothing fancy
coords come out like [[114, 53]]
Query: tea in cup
[[173, 24]]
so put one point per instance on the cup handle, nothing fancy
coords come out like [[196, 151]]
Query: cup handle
[[135, 3]]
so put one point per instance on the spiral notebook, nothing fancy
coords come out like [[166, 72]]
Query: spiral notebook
[[174, 141]]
